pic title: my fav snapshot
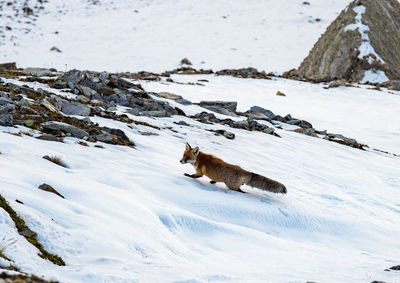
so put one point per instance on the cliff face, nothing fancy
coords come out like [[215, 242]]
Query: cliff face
[[362, 44]]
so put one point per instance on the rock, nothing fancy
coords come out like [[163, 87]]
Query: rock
[[244, 73], [104, 138], [118, 133], [75, 108], [257, 116], [168, 95], [394, 85], [156, 113], [29, 123], [337, 83], [183, 101], [295, 122], [182, 123], [8, 66], [185, 61], [60, 85], [244, 124], [50, 189], [125, 84], [258, 109], [305, 124], [308, 132], [6, 120], [46, 104], [4, 101], [396, 267], [48, 137], [60, 126], [228, 105], [107, 91], [37, 72], [86, 91], [220, 110], [279, 93], [28, 233], [342, 51], [226, 134]]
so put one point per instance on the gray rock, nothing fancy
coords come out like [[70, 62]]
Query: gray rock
[[244, 124], [168, 95], [182, 123], [308, 132], [268, 130], [104, 138], [118, 133], [226, 134], [48, 137], [86, 91], [75, 108], [220, 110], [257, 116], [156, 113], [228, 105], [295, 122], [6, 120], [46, 104], [37, 72], [7, 109], [4, 101], [258, 109], [183, 101], [60, 126]]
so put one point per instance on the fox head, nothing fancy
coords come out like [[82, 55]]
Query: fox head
[[190, 154]]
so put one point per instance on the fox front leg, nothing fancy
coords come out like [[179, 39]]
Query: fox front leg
[[192, 175]]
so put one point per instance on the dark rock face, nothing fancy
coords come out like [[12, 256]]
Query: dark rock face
[[8, 66], [338, 53], [228, 105]]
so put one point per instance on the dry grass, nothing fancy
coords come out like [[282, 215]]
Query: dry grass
[[56, 159]]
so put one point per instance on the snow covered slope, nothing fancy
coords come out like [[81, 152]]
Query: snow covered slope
[[154, 35], [130, 214]]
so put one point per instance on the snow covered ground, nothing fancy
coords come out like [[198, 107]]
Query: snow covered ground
[[357, 112], [130, 214], [154, 35]]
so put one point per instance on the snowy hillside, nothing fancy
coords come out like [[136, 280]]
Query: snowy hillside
[[91, 187], [155, 35], [130, 214]]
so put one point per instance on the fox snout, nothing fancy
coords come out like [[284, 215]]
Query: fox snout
[[183, 161]]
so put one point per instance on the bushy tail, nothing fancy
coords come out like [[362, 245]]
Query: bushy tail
[[266, 184]]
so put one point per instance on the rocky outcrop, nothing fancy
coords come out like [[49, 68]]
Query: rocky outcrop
[[362, 44]]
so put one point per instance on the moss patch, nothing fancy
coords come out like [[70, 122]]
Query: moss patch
[[29, 235]]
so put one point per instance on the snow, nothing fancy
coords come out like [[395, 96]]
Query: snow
[[366, 49], [130, 214], [356, 112], [374, 76], [154, 35]]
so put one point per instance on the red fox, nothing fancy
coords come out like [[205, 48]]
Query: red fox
[[219, 171]]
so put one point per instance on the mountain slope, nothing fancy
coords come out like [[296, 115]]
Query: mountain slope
[[155, 35], [130, 214]]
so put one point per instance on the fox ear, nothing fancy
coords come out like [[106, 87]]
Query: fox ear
[[196, 150], [188, 146]]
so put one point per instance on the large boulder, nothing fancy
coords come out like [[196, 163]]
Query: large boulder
[[362, 44]]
